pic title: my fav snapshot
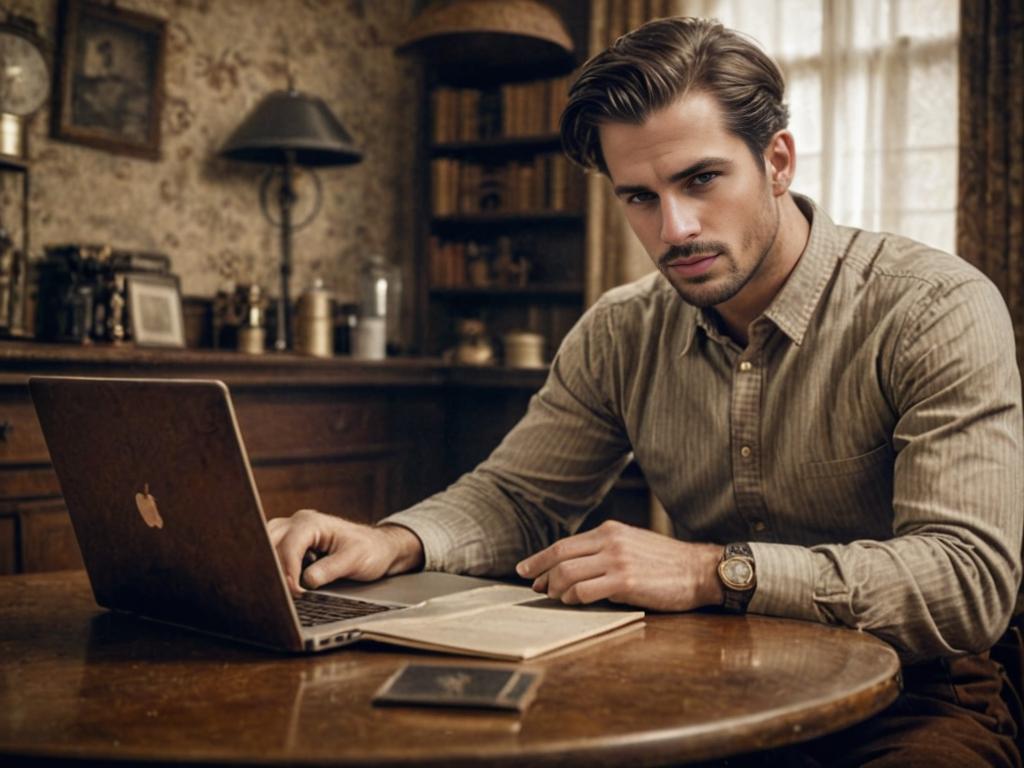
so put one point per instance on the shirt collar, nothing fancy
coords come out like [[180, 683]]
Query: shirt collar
[[794, 304], [706, 322]]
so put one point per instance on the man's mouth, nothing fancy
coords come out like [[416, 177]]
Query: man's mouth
[[695, 265]]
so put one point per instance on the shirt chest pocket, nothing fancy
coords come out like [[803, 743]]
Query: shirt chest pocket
[[853, 495]]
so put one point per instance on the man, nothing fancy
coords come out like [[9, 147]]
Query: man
[[840, 409]]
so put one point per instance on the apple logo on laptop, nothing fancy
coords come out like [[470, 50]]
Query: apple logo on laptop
[[147, 508]]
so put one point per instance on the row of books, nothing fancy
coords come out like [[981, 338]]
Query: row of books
[[547, 182], [462, 264], [448, 263], [515, 109]]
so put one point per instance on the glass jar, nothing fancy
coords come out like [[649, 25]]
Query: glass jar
[[370, 341]]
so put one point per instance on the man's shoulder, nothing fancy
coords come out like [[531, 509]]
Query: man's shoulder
[[634, 317], [648, 292], [894, 283], [889, 260]]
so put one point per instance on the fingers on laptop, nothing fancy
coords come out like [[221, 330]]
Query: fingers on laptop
[[327, 569], [342, 549], [293, 537]]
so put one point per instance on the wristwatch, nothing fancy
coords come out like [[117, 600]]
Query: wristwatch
[[738, 577]]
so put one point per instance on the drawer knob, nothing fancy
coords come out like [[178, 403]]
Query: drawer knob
[[5, 430], [342, 423]]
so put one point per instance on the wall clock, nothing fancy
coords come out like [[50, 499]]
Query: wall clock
[[24, 80]]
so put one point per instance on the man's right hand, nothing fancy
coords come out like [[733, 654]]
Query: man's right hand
[[345, 550]]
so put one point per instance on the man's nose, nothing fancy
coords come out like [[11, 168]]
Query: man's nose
[[679, 221]]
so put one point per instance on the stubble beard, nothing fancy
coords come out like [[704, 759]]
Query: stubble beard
[[707, 290]]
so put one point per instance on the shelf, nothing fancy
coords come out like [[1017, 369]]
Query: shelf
[[509, 217], [526, 293], [498, 144]]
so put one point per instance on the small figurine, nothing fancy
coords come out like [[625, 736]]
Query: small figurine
[[510, 270], [477, 269], [474, 346], [115, 320]]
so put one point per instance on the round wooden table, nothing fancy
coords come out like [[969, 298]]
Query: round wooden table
[[78, 682]]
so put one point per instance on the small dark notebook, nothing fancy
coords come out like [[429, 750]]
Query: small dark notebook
[[458, 685]]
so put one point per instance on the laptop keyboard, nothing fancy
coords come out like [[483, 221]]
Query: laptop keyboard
[[320, 608]]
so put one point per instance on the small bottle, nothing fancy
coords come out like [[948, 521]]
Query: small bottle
[[346, 318], [251, 333], [315, 322], [371, 330]]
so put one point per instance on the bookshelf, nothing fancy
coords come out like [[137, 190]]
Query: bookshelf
[[505, 214]]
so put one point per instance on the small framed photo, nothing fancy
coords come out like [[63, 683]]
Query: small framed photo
[[154, 310], [110, 88]]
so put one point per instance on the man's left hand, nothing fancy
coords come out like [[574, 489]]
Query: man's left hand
[[625, 564]]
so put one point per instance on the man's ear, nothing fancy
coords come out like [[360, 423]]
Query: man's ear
[[780, 161]]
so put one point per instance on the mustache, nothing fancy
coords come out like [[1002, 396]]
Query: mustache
[[689, 250]]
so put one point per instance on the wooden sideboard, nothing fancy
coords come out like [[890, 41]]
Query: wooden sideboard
[[355, 438]]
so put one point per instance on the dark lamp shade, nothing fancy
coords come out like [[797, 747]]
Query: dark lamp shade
[[476, 43], [289, 121]]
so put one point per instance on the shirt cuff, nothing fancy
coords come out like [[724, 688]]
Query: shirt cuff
[[786, 577], [434, 536]]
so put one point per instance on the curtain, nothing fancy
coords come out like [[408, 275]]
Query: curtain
[[990, 211], [613, 254]]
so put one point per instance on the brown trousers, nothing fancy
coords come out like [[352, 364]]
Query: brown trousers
[[954, 712]]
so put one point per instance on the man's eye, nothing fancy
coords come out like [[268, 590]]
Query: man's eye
[[703, 179], [640, 198]]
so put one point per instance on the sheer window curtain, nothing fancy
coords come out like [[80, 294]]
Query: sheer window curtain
[[872, 89]]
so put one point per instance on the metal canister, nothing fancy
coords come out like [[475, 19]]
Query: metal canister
[[524, 350], [315, 331]]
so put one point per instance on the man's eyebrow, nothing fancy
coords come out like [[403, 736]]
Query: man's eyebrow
[[701, 166]]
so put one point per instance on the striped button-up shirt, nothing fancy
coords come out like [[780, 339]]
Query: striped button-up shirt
[[867, 442]]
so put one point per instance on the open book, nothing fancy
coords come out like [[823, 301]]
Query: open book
[[498, 622]]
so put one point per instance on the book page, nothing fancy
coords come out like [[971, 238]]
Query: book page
[[503, 622]]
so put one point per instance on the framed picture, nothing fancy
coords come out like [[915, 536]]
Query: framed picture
[[154, 310], [110, 74]]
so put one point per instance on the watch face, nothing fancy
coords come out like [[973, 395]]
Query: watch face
[[24, 79], [737, 572]]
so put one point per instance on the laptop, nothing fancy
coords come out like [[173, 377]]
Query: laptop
[[163, 502]]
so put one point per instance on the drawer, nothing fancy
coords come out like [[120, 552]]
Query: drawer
[[311, 425], [21, 439], [355, 490], [21, 482], [8, 545], [48, 540]]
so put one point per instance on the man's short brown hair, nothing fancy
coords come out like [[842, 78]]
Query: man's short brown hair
[[663, 60]]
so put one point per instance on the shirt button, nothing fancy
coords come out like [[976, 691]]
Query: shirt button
[[760, 526], [745, 451], [745, 366]]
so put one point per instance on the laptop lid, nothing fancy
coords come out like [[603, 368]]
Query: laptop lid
[[162, 499]]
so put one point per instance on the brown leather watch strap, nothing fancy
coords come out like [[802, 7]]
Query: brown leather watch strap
[[737, 573]]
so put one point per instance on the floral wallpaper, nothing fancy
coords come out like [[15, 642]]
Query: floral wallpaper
[[223, 56]]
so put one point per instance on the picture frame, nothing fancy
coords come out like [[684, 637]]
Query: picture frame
[[110, 78], [155, 317]]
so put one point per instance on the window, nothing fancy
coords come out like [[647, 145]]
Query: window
[[872, 90]]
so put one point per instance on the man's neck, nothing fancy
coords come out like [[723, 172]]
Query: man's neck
[[794, 230]]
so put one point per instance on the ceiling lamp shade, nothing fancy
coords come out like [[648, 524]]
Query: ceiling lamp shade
[[475, 43], [291, 123]]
